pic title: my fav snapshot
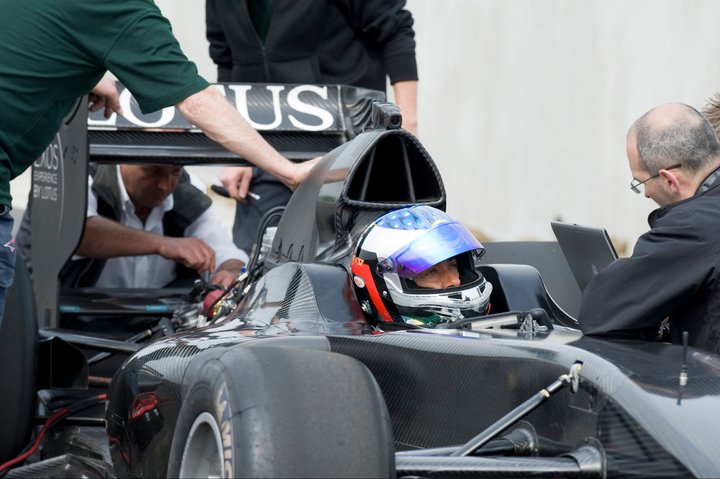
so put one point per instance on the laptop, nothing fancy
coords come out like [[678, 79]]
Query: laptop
[[587, 249]]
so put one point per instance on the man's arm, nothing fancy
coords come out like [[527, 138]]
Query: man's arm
[[389, 24], [212, 113], [406, 99], [632, 296], [104, 238]]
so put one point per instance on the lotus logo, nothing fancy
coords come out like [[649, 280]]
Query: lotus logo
[[265, 107]]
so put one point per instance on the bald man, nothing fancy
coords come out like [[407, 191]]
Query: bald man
[[674, 271]]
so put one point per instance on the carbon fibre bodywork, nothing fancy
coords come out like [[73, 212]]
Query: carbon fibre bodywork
[[441, 386]]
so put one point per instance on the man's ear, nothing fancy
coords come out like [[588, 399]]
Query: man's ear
[[674, 183]]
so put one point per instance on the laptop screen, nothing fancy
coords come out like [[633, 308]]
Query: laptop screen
[[587, 249]]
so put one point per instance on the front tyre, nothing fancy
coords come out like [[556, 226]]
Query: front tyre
[[202, 455], [279, 412]]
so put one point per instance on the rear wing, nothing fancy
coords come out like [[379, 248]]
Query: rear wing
[[300, 121]]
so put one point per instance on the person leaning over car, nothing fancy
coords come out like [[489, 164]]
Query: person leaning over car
[[674, 271], [54, 52], [148, 226], [350, 42]]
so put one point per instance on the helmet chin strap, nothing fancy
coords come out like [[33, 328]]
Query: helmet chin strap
[[456, 314], [447, 309], [449, 313]]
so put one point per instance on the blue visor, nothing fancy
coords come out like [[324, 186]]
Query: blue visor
[[442, 241]]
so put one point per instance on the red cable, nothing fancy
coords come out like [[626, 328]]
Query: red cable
[[50, 421]]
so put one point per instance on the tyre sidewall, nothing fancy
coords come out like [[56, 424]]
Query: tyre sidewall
[[285, 412], [209, 393]]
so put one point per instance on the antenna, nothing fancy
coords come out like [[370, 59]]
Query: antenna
[[683, 369]]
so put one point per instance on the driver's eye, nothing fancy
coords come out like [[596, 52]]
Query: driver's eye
[[427, 273]]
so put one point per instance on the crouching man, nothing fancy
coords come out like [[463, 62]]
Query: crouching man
[[148, 226]]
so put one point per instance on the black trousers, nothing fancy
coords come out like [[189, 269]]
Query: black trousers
[[249, 214]]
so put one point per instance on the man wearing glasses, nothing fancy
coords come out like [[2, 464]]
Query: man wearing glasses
[[674, 271]]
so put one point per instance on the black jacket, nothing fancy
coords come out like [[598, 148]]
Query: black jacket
[[674, 272], [352, 42]]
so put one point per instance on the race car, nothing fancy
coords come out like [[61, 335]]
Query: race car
[[282, 376]]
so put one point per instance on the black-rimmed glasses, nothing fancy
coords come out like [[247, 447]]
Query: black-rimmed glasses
[[636, 185]]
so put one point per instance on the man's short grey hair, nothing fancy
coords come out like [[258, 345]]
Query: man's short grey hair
[[689, 139]]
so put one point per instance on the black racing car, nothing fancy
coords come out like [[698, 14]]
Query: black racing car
[[281, 376]]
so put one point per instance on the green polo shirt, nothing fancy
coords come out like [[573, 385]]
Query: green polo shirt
[[54, 51]]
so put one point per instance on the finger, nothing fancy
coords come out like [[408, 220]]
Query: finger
[[207, 257], [233, 178], [192, 254], [193, 261], [229, 181], [113, 105], [222, 278], [96, 104], [212, 261], [244, 185], [207, 264]]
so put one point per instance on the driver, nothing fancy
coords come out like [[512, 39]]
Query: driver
[[416, 266]]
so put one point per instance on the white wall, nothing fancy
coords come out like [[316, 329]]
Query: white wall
[[541, 93], [524, 104]]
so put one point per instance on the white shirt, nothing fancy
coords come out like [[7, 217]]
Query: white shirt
[[154, 271]]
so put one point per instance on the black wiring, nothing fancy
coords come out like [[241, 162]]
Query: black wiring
[[58, 415], [264, 223]]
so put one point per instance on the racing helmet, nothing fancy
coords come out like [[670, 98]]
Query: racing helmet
[[403, 243]]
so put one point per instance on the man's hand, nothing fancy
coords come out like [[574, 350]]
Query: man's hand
[[105, 238], [227, 273], [223, 278], [191, 252], [236, 180], [105, 95], [302, 171]]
